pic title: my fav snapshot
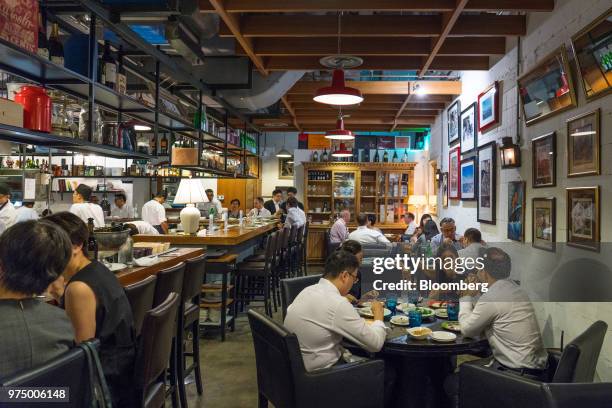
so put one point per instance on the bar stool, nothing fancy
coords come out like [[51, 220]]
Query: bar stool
[[154, 351], [291, 251], [140, 295], [299, 251], [225, 266], [171, 280], [254, 279], [305, 249], [283, 252], [190, 298]]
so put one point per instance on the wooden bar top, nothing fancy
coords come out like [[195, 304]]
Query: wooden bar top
[[383, 227], [233, 236], [135, 274]]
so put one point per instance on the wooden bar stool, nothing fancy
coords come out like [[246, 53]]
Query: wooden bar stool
[[225, 266], [140, 295], [305, 249]]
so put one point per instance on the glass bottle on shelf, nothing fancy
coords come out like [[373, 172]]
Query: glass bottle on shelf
[[106, 207], [376, 157], [395, 159], [43, 43], [56, 49], [315, 156], [386, 157], [324, 157], [109, 68], [92, 244], [355, 154], [121, 74], [366, 155], [163, 145], [405, 157]]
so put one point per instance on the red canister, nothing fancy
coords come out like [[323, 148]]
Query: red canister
[[36, 108]]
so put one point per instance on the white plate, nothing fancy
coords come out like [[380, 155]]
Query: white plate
[[367, 312], [406, 307], [442, 313], [411, 332], [443, 336], [400, 320]]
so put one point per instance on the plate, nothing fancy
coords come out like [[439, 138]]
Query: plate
[[452, 326], [443, 336], [441, 313], [365, 304], [400, 320], [419, 333], [426, 312], [114, 267], [436, 304], [367, 312], [406, 307]]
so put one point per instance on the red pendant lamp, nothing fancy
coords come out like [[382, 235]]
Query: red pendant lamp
[[342, 151], [339, 133], [338, 93]]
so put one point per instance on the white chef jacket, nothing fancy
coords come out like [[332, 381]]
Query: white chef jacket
[[144, 227], [24, 213], [506, 316], [365, 235], [127, 211], [320, 317], [89, 210], [154, 213], [263, 212], [8, 215]]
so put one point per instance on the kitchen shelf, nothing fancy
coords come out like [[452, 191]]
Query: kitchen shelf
[[342, 197], [319, 181], [319, 195]]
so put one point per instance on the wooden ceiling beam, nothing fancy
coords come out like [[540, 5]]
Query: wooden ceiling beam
[[325, 123], [380, 112], [383, 87], [306, 6], [451, 63], [370, 106], [483, 25], [291, 111], [320, 47], [373, 98], [232, 21]]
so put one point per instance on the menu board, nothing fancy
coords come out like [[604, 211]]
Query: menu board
[[19, 23]]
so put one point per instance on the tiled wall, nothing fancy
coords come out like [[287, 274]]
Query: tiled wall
[[546, 32]]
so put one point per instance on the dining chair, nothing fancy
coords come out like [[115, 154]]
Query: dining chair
[[140, 295], [291, 287]]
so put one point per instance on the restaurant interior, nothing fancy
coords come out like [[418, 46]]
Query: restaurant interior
[[322, 203]]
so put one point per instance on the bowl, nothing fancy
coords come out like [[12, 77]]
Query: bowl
[[110, 242], [419, 333], [443, 336]]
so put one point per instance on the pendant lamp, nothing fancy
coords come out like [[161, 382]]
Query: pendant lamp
[[283, 152], [342, 151], [338, 93], [339, 133]]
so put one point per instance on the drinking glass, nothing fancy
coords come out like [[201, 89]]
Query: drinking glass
[[452, 309], [392, 304], [414, 318]]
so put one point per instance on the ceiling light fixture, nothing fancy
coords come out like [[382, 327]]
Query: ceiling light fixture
[[283, 153], [142, 128], [339, 133], [342, 151]]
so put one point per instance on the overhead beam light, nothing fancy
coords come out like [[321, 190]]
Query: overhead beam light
[[142, 128]]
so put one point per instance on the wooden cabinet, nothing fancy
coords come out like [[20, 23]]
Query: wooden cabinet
[[244, 190]]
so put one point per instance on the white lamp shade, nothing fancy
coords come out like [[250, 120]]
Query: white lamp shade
[[190, 191], [417, 200]]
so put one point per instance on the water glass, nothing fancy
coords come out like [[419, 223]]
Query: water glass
[[414, 318], [452, 309], [392, 304]]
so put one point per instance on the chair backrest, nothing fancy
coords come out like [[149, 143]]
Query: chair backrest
[[591, 395], [293, 235], [154, 351], [284, 237], [192, 281], [70, 370], [140, 295], [579, 358], [169, 280], [274, 367], [299, 237], [271, 244], [292, 287]]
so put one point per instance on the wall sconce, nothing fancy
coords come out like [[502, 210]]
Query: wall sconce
[[510, 153]]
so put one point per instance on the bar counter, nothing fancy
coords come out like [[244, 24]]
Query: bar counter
[[233, 236]]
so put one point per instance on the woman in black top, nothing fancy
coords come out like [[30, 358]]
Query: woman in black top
[[97, 306]]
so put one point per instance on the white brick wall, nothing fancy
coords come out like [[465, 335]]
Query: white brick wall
[[545, 32]]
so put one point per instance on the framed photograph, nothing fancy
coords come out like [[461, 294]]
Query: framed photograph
[[468, 179], [583, 145], [592, 47], [454, 131], [583, 217], [454, 177], [488, 108], [543, 224], [444, 190], [285, 167], [468, 129], [547, 88], [544, 160], [486, 183], [516, 211]]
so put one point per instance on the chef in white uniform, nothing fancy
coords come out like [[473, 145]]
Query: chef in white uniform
[[26, 212], [8, 213], [83, 209]]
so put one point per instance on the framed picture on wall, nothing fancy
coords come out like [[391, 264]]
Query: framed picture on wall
[[468, 179], [516, 211], [543, 223], [544, 160], [488, 108], [583, 217], [444, 190], [583, 144], [285, 167], [592, 47], [453, 114], [454, 177], [468, 129], [486, 184], [547, 88]]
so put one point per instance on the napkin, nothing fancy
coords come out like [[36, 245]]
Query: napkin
[[146, 260]]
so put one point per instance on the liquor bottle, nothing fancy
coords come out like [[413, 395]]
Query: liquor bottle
[[315, 156], [153, 145], [109, 68], [376, 157], [56, 49], [366, 155], [43, 44], [92, 244], [163, 145], [386, 157], [405, 157], [355, 154], [121, 74], [106, 207], [395, 159], [324, 157]]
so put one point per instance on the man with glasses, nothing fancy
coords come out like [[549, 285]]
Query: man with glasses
[[321, 316], [447, 236]]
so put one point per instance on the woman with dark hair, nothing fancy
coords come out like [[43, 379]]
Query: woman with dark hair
[[97, 306], [34, 331], [420, 231], [445, 273]]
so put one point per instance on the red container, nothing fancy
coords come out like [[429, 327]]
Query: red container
[[36, 108]]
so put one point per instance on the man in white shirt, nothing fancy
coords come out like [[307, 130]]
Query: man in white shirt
[[365, 235], [84, 209], [448, 235], [472, 240], [339, 231], [411, 224], [295, 215], [142, 227], [212, 203], [26, 212], [321, 316], [258, 209], [274, 205], [122, 209], [154, 213], [7, 211]]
